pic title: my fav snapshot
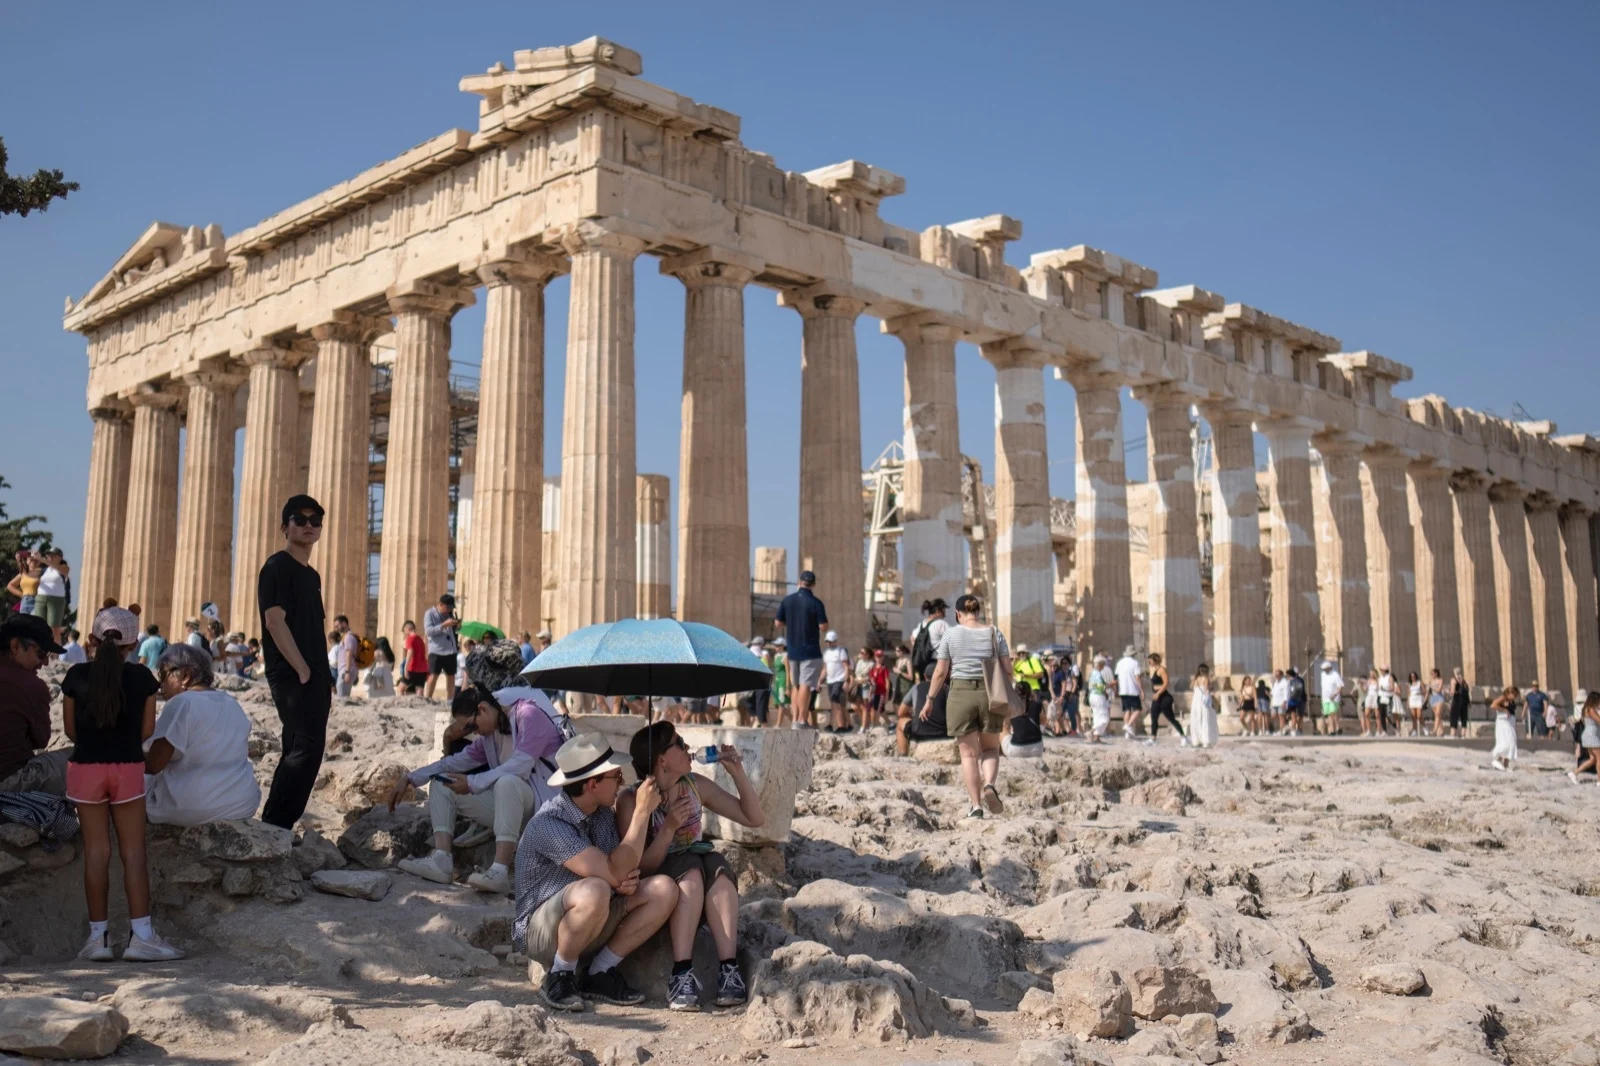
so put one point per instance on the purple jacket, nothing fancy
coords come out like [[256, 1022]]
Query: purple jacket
[[533, 737]]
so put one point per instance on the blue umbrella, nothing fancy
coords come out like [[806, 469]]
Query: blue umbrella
[[658, 657]]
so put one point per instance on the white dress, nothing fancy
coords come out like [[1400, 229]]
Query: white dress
[[1505, 736], [1202, 718], [380, 679], [1100, 685]]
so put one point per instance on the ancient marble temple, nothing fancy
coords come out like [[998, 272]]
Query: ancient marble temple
[[1403, 532]]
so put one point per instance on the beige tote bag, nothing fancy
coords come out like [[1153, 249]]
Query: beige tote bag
[[1003, 695]]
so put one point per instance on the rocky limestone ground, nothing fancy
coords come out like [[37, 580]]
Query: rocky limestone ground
[[1352, 902]]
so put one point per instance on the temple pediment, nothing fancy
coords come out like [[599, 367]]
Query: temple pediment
[[163, 254]]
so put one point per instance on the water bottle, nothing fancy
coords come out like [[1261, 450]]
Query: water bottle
[[708, 755]]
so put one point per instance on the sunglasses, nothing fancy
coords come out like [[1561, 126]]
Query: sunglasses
[[615, 775], [312, 520]]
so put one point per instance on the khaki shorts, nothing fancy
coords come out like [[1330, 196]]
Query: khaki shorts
[[967, 709], [542, 925]]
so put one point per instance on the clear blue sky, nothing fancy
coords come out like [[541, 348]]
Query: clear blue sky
[[1417, 179]]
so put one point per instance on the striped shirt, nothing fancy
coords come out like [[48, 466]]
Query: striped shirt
[[555, 834], [966, 647]]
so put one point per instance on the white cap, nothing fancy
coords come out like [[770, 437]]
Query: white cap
[[1023, 648], [831, 637], [758, 642]]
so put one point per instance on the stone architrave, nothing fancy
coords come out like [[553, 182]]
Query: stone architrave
[[1475, 581], [1578, 569], [1552, 642], [271, 435], [1239, 600], [1513, 584], [597, 546], [414, 568], [772, 571], [1177, 627], [1296, 607], [153, 509], [713, 474], [932, 542], [655, 549], [504, 567], [1024, 594], [831, 530], [1391, 566], [1438, 607], [105, 520], [202, 570], [341, 425], [1105, 578], [1346, 593]]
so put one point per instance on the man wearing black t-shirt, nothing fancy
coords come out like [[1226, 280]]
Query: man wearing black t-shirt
[[289, 593]]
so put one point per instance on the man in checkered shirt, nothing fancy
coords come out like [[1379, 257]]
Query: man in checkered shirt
[[578, 887]]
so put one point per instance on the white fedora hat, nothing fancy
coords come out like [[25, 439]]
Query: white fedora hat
[[584, 756]]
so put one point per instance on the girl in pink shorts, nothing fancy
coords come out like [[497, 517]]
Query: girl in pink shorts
[[108, 711]]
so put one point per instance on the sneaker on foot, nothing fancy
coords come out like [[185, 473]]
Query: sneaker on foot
[[1570, 777], [683, 991], [97, 949], [153, 950], [428, 869], [731, 991], [608, 987], [478, 834], [976, 812], [1183, 742], [560, 991], [991, 799], [487, 881]]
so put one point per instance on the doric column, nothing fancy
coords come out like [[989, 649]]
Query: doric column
[[1391, 566], [504, 564], [147, 560], [271, 436], [772, 571], [1105, 580], [1475, 580], [654, 562], [305, 423], [1177, 625], [550, 551], [1296, 607], [415, 564], [105, 519], [1578, 570], [203, 568], [713, 479], [1552, 644], [1513, 585], [1024, 589], [932, 545], [1438, 606], [1238, 598], [599, 504], [341, 425], [831, 528], [1345, 593]]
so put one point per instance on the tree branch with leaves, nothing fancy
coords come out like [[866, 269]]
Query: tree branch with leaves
[[19, 195]]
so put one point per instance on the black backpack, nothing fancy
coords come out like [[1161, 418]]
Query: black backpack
[[922, 651], [1297, 690]]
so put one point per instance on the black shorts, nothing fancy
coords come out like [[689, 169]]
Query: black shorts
[[1130, 703], [836, 692], [415, 678], [1458, 718], [442, 664]]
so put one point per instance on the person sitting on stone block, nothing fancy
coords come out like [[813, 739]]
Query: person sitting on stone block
[[197, 762], [707, 888], [579, 890]]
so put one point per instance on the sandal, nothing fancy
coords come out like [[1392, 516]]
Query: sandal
[[991, 799]]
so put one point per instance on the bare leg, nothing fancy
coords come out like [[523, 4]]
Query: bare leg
[[588, 905], [989, 757], [971, 748], [722, 915], [686, 915], [95, 821], [129, 820], [648, 908]]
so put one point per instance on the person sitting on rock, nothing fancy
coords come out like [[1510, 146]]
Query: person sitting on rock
[[25, 646], [579, 890], [707, 888], [197, 763], [511, 741]]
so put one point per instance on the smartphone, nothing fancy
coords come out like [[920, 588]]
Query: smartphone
[[443, 779]]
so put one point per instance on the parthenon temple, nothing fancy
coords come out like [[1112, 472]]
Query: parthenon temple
[[1403, 532]]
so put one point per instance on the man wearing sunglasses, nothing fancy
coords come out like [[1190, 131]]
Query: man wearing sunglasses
[[289, 593]]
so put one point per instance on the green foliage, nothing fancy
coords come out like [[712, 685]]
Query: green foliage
[[20, 195], [17, 534]]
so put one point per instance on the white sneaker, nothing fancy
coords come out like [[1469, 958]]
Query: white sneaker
[[1571, 776], [153, 950], [1127, 732], [478, 834], [429, 870], [97, 949], [1183, 742], [487, 881]]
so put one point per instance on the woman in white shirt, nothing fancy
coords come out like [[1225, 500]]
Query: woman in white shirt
[[1415, 696], [380, 675], [1386, 706], [1202, 709], [197, 761], [1369, 706], [1101, 683]]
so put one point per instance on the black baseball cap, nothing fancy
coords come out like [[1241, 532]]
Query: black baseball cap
[[300, 502], [807, 578], [30, 627]]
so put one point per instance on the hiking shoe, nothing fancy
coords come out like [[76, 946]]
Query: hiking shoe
[[97, 949], [991, 799], [731, 991], [153, 950], [608, 987], [560, 991], [486, 881], [428, 869], [683, 991], [478, 834]]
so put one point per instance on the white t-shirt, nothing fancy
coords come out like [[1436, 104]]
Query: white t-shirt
[[1332, 685], [1280, 692], [836, 664], [51, 583], [1385, 686], [1127, 676], [209, 777]]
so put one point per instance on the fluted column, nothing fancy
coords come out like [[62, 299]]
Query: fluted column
[[713, 476], [1513, 585], [305, 423], [1105, 580], [599, 506], [1296, 607], [105, 519], [1177, 626], [550, 552], [341, 425], [152, 508], [503, 567], [1345, 595], [1578, 570], [831, 528], [413, 570], [932, 543], [1552, 642], [772, 571], [1391, 566], [1024, 576], [654, 559], [203, 568], [1438, 606], [1475, 580], [271, 436], [1238, 597]]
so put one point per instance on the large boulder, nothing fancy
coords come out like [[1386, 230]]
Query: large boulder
[[381, 837], [326, 1045], [522, 1032], [162, 1008], [240, 840], [1162, 990], [366, 784], [1095, 1002], [48, 1027], [1058, 1051], [1393, 979], [778, 762]]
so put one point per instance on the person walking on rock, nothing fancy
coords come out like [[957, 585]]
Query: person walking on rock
[[968, 717], [1100, 683], [801, 617], [1505, 729], [440, 624], [289, 599], [415, 652], [1161, 700], [1202, 709], [1130, 689], [1588, 730], [1460, 704]]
